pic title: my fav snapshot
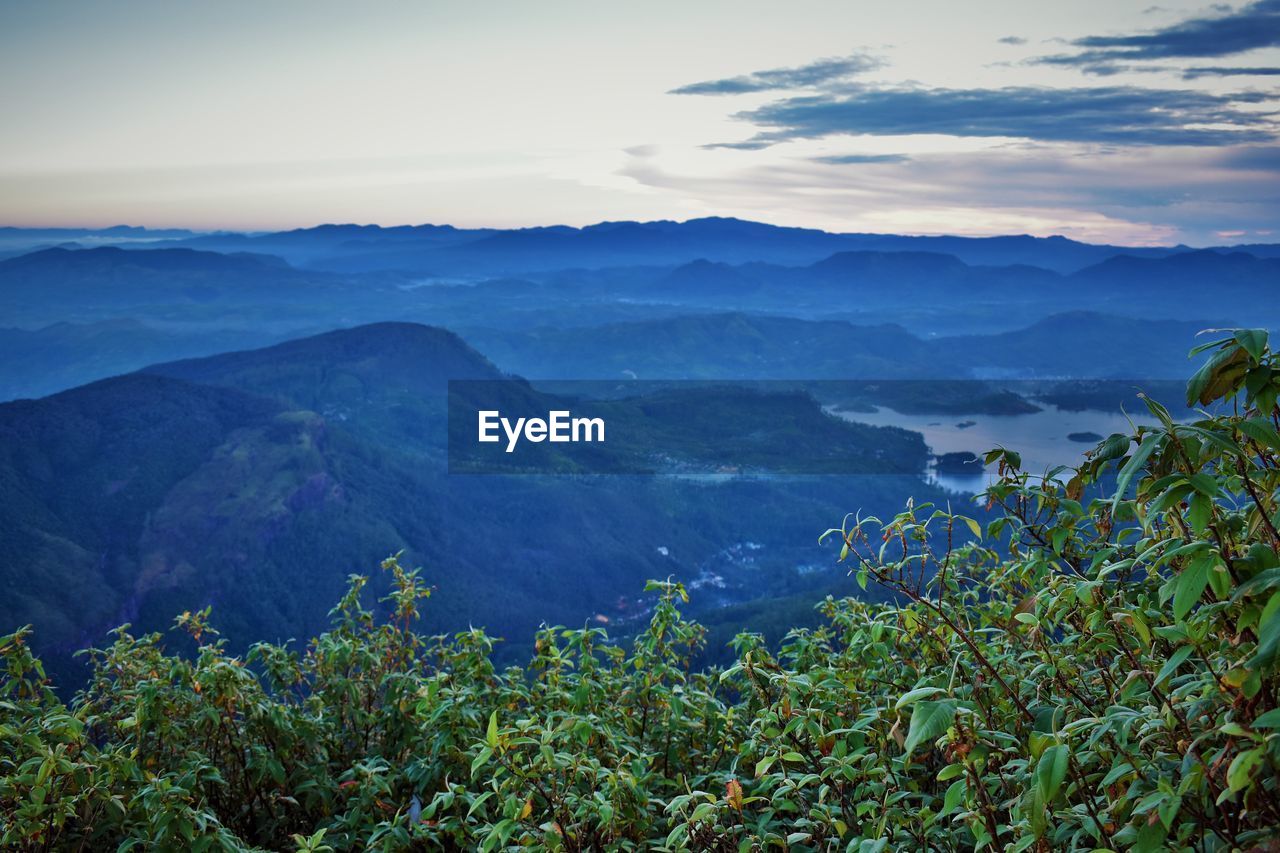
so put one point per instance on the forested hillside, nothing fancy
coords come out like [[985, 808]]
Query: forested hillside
[[256, 481], [1095, 668]]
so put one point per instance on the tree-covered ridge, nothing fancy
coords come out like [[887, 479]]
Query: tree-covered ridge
[[1096, 669], [256, 481]]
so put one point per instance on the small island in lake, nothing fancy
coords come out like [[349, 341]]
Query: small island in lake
[[962, 463], [1084, 437]]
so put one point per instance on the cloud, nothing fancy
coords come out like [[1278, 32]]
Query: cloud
[[1254, 26], [1125, 115], [850, 159], [1124, 196], [1251, 159], [1225, 71], [1110, 69], [817, 73], [1113, 162], [756, 143]]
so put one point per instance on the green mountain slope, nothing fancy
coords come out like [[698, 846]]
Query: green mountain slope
[[255, 481]]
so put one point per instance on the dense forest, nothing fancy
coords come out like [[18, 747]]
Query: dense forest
[[255, 481], [1093, 668]]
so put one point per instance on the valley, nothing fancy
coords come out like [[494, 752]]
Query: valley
[[254, 428]]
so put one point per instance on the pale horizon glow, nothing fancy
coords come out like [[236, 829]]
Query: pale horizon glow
[[259, 117]]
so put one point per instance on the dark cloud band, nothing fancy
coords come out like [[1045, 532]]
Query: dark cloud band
[[817, 73], [1114, 114], [856, 159], [1226, 71], [1254, 26]]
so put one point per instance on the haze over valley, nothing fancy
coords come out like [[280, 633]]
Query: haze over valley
[[243, 419]]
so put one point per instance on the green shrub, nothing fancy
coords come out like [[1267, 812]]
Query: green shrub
[[1096, 669]]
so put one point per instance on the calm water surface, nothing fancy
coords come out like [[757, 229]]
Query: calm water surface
[[1041, 437]]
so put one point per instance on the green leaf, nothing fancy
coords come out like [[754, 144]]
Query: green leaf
[[1208, 345], [1268, 634], [1199, 513], [928, 720], [1138, 622], [1261, 432], [1269, 720], [1171, 665], [1133, 466], [1117, 773], [1205, 484], [1254, 341], [954, 795], [1190, 584], [1258, 584], [1113, 447], [913, 695], [481, 759], [478, 802], [1161, 413], [1242, 766], [1051, 770], [1171, 496], [1150, 838], [491, 734], [1218, 377]]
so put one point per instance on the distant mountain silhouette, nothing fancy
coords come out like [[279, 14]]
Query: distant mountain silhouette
[[108, 282], [112, 258], [746, 346], [711, 346], [1174, 286], [390, 356], [1185, 269], [60, 279], [852, 279], [1082, 343], [703, 279], [444, 249], [862, 263]]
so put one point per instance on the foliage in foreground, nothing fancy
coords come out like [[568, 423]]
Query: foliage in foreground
[[1082, 674]]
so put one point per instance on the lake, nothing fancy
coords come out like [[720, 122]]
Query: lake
[[1041, 437]]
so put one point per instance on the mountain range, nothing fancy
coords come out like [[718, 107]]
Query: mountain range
[[747, 346], [78, 315], [256, 481], [447, 249], [265, 413]]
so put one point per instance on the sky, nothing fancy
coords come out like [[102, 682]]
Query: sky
[[1100, 120]]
